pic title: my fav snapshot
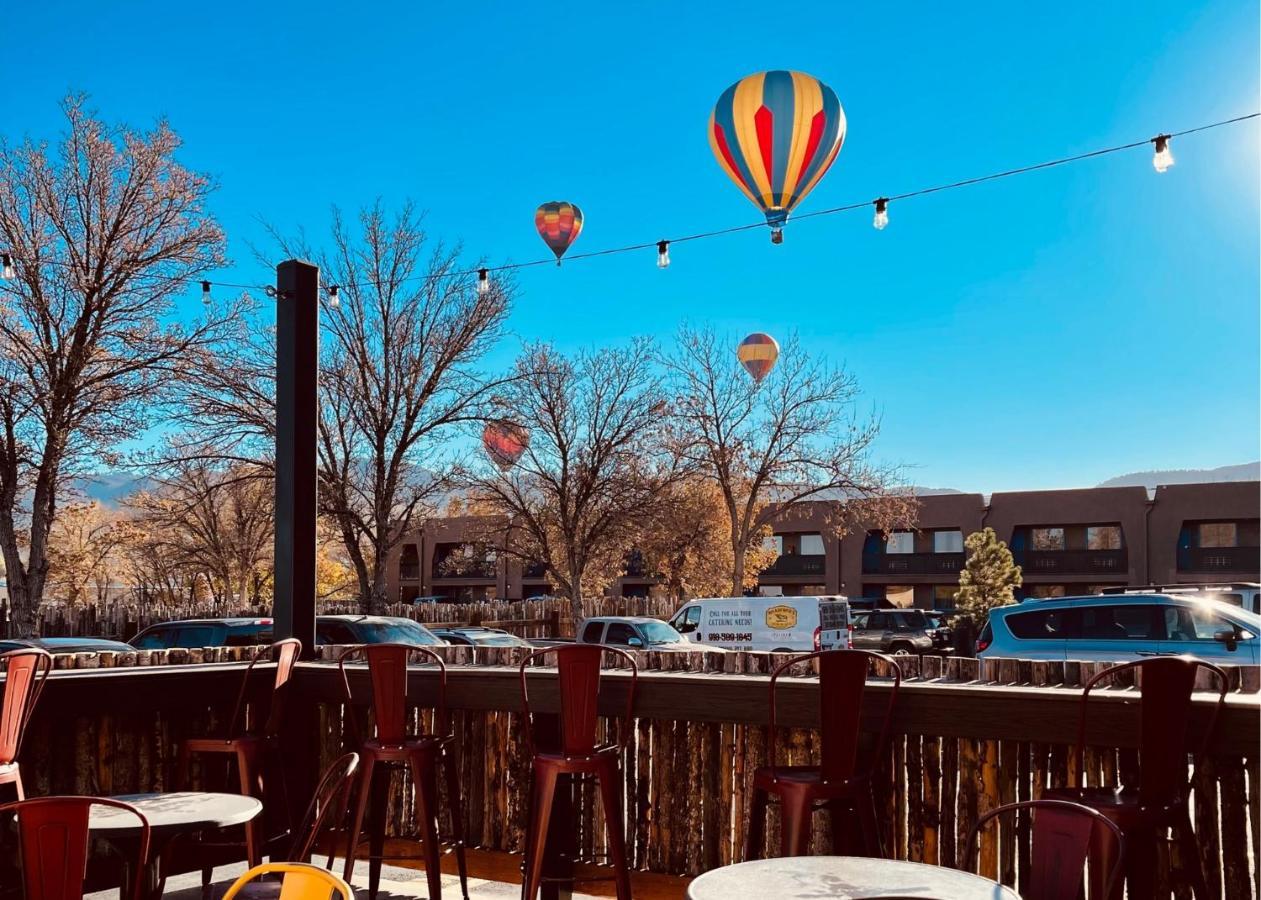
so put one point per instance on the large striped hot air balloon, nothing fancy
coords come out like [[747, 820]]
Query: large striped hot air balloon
[[559, 223], [504, 442], [775, 134], [757, 353]]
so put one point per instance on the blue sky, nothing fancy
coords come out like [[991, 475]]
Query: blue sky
[[1045, 331]]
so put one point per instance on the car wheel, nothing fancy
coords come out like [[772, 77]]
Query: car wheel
[[901, 648]]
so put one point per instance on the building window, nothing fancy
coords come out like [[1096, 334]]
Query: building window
[[1047, 538], [900, 542], [812, 545], [1043, 591], [774, 542], [950, 541], [1103, 537], [901, 595], [1219, 534], [944, 596]]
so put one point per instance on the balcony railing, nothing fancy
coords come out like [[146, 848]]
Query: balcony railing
[[1220, 559], [1073, 562], [796, 565], [913, 564]]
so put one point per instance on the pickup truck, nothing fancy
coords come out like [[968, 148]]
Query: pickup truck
[[633, 633]]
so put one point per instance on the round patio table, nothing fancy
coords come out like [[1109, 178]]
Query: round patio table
[[844, 877], [169, 815]]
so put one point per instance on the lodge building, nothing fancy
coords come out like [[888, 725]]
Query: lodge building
[[1068, 541]]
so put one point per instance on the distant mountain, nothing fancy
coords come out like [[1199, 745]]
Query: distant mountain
[[1242, 472], [110, 486]]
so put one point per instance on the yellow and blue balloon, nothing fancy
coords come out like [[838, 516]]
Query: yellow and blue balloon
[[775, 134]]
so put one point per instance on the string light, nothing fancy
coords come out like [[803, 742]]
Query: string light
[[1162, 159], [881, 218], [205, 292], [483, 282], [334, 300]]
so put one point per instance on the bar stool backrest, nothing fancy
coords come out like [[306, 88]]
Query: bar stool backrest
[[387, 670], [578, 673], [1062, 841], [25, 674], [298, 882], [328, 806], [286, 653], [53, 832], [1166, 684], [842, 684]]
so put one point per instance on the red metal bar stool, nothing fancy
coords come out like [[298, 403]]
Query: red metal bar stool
[[25, 674], [837, 783], [1064, 836], [422, 754], [249, 746], [53, 834], [578, 673], [1146, 812]]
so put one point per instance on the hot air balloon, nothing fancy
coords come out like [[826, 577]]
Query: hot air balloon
[[504, 443], [559, 223], [757, 353], [775, 134]]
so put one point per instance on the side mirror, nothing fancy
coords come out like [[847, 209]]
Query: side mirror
[[634, 642], [1227, 637]]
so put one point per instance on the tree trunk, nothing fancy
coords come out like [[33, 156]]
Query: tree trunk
[[22, 618], [737, 570], [575, 591]]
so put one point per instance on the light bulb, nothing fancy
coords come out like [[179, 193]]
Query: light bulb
[[663, 254], [334, 301], [483, 282], [7, 271], [205, 292], [881, 218], [1163, 158]]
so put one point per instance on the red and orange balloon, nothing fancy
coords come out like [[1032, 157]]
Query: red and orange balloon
[[559, 223], [504, 442]]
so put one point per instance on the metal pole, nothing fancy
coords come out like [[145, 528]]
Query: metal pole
[[297, 371]]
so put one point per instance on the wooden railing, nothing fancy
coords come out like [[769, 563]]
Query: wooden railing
[[967, 738]]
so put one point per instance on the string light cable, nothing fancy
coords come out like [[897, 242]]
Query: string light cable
[[1162, 160]]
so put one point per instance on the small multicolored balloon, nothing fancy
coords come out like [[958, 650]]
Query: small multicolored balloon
[[504, 442], [757, 353], [775, 134], [559, 223]]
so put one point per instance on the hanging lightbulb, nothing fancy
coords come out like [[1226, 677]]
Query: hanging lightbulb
[[483, 282], [663, 254], [205, 292], [6, 266], [881, 218], [334, 301], [1163, 158]]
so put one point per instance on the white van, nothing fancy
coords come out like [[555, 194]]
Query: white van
[[766, 623]]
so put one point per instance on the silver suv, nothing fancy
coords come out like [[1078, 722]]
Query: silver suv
[[896, 631], [1120, 628]]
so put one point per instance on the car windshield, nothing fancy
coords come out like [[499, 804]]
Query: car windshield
[[497, 640], [401, 631], [660, 633]]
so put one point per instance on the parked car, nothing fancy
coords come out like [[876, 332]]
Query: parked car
[[781, 624], [66, 645], [479, 636], [248, 632], [422, 601], [1122, 627], [1246, 595], [941, 632], [632, 632], [897, 631]]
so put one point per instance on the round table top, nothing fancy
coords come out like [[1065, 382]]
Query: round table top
[[181, 811], [844, 877]]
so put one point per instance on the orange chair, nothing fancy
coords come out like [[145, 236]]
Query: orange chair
[[299, 882], [249, 747], [25, 674]]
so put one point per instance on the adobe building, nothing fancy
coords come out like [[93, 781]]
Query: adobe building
[[1071, 541]]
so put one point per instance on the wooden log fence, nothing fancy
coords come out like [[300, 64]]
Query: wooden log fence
[[969, 737]]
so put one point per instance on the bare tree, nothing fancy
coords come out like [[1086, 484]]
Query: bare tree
[[770, 447], [101, 230], [398, 372], [596, 465]]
